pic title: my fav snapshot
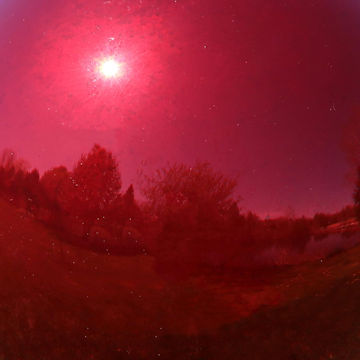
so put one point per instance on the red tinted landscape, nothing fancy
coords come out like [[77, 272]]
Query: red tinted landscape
[[179, 180]]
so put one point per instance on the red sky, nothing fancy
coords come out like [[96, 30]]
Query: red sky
[[260, 88]]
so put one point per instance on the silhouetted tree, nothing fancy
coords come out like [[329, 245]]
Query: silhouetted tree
[[321, 220], [32, 190], [125, 218], [234, 217], [9, 159], [131, 211], [194, 192], [12, 172], [129, 198], [194, 204], [56, 185], [95, 184], [16, 189]]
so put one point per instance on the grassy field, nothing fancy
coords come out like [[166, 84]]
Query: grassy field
[[58, 301]]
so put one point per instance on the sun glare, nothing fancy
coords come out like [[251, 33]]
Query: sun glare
[[110, 68]]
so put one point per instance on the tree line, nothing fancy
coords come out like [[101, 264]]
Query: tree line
[[190, 216]]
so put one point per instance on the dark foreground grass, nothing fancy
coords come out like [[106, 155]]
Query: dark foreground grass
[[62, 302]]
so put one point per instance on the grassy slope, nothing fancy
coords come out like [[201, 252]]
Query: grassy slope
[[61, 302], [317, 317]]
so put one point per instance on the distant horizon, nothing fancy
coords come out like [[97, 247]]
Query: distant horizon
[[135, 181]]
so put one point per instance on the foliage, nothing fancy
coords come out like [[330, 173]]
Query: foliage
[[196, 194], [95, 182], [56, 183], [9, 160], [190, 218]]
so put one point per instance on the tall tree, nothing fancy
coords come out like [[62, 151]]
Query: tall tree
[[95, 183]]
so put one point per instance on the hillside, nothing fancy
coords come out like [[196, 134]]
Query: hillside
[[63, 302]]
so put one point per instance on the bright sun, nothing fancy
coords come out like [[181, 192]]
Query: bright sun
[[110, 68]]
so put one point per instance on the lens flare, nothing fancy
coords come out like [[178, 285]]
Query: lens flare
[[110, 68]]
